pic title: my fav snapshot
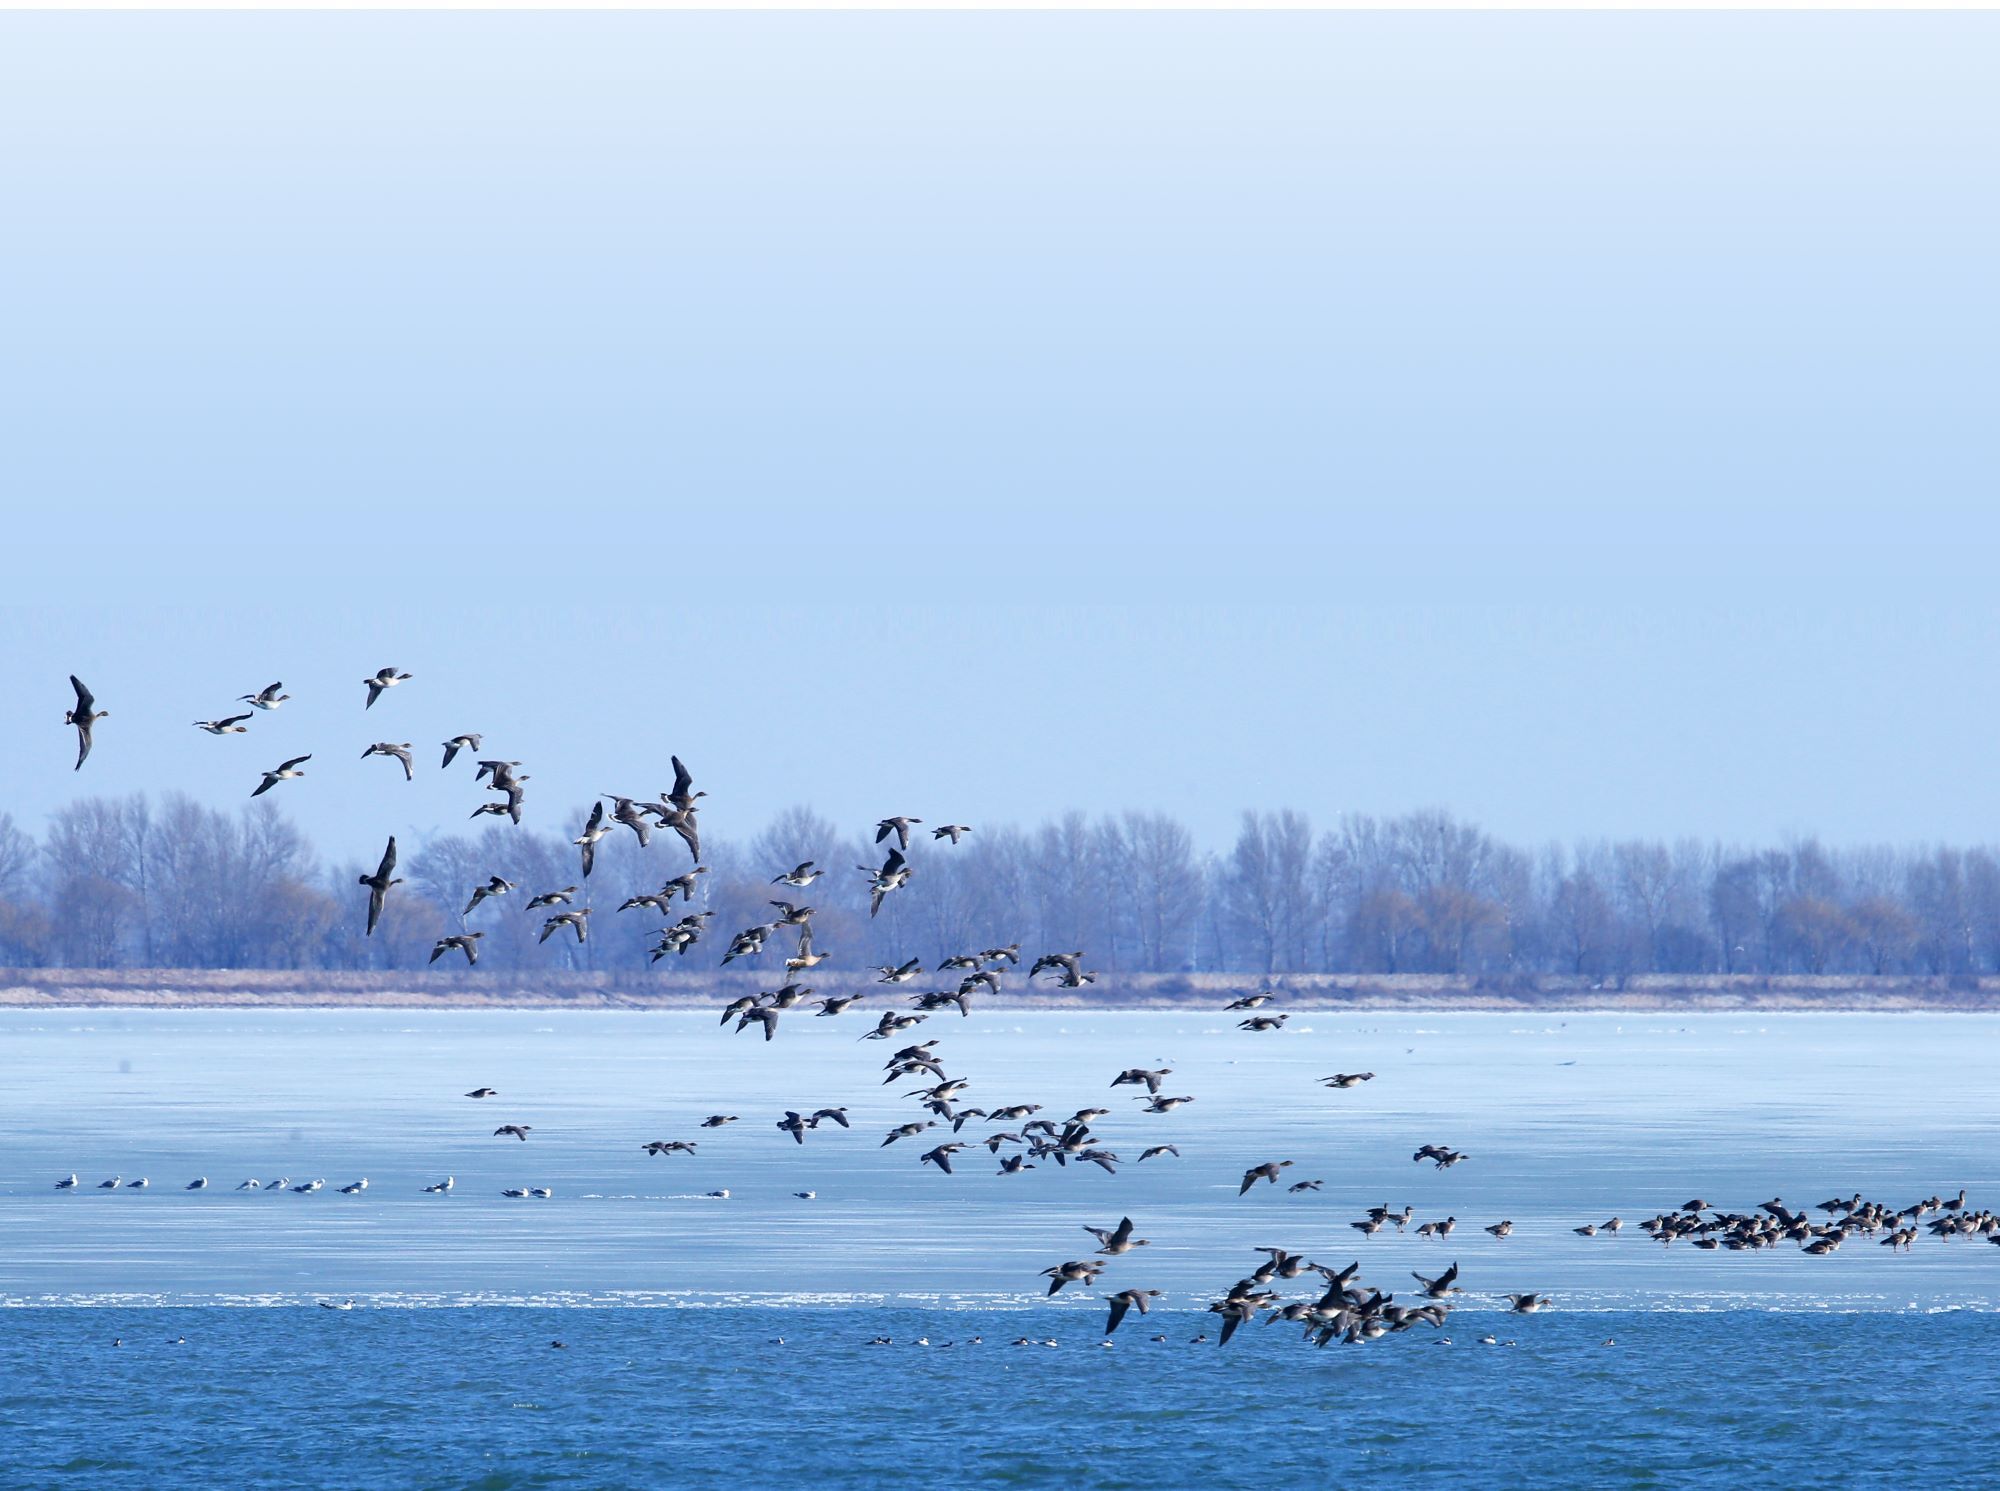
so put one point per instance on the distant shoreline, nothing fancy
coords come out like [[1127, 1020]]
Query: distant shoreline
[[1302, 993]]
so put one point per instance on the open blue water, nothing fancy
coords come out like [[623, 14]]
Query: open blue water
[[1724, 1365]]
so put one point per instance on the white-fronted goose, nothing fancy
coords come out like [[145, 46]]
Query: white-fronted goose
[[399, 752], [952, 831], [800, 876]]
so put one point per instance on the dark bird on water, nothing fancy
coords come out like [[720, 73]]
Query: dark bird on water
[[378, 885]]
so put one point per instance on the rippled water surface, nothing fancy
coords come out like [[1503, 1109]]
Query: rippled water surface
[[1567, 1119]]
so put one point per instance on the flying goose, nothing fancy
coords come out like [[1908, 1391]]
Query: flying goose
[[717, 1120], [900, 827], [1082, 1271], [685, 885], [594, 830], [517, 1130], [1256, 1173], [1527, 1304], [625, 811], [1157, 1150], [829, 1115], [483, 1092], [760, 1015], [378, 884], [940, 1156], [1125, 1300], [1157, 1104], [459, 743], [1263, 1022], [806, 957], [388, 678], [464, 942], [1345, 1080], [494, 886], [1137, 1074], [562, 897], [1247, 1002], [498, 775], [400, 752], [900, 975], [669, 1146], [1444, 1285], [229, 725], [1116, 1240], [794, 1124], [952, 831], [269, 698], [578, 921], [287, 771], [1014, 1164], [801, 875]]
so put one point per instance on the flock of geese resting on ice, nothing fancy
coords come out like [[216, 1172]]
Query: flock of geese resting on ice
[[1337, 1308]]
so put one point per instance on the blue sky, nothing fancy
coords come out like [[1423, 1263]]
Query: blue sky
[[1580, 421]]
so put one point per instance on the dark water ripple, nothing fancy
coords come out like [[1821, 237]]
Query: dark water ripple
[[476, 1397]]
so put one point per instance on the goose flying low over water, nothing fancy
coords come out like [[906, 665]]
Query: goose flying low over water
[[231, 725], [269, 698], [1261, 1172], [400, 752], [456, 744], [1138, 1074], [514, 1130], [286, 771], [1116, 1240], [84, 716], [1127, 1300], [483, 1092], [378, 886], [387, 678]]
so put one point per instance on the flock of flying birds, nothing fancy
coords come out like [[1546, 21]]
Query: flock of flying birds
[[1342, 1310]]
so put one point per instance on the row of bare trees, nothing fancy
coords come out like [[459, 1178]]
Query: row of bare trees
[[135, 883]]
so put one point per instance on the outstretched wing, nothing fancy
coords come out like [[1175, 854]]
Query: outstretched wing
[[85, 700], [683, 779], [1119, 1305]]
